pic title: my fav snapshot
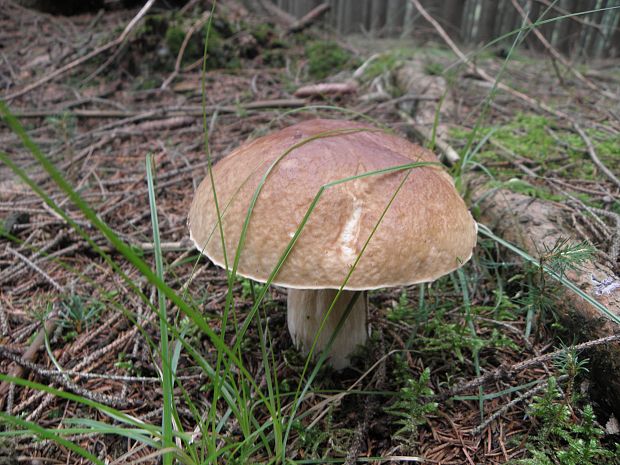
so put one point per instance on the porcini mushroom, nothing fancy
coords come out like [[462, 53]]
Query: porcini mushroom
[[420, 230]]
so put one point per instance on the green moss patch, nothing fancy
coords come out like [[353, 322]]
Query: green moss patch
[[326, 57], [542, 146]]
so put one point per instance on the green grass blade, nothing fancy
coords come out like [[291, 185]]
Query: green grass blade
[[50, 435], [166, 368], [109, 411]]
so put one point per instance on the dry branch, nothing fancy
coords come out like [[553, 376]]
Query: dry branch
[[326, 88], [190, 110], [522, 397], [507, 372]]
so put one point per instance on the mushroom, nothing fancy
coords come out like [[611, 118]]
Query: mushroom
[[396, 228]]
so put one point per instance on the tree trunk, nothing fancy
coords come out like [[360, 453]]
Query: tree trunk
[[488, 18]]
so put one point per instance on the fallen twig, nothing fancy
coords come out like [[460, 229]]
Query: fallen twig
[[41, 370], [190, 110], [503, 372], [326, 88], [31, 264], [4, 322], [61, 377], [526, 395]]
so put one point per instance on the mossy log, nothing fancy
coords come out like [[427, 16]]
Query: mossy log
[[535, 226]]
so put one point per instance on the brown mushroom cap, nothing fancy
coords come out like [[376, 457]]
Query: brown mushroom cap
[[427, 231]]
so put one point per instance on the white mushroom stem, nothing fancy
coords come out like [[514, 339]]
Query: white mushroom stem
[[306, 310]]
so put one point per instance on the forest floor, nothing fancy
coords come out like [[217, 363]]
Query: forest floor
[[70, 300]]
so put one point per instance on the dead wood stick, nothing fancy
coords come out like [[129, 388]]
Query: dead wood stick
[[184, 244], [558, 56], [326, 88], [41, 370], [11, 271], [68, 67], [190, 32], [193, 110], [597, 161], [4, 321], [308, 19], [480, 72], [31, 264], [526, 395]]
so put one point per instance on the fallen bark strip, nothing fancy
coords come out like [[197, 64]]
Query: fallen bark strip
[[595, 159], [535, 226]]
